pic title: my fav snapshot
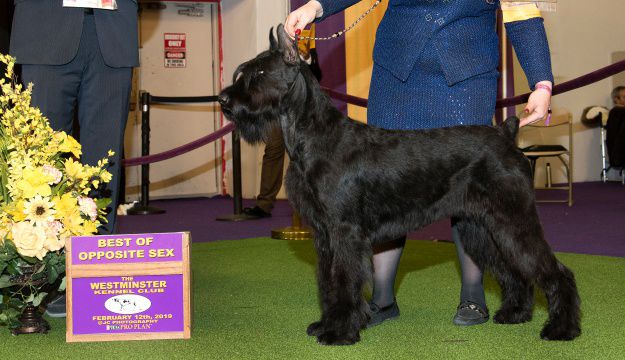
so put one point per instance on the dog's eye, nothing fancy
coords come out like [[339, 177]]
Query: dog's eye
[[260, 72]]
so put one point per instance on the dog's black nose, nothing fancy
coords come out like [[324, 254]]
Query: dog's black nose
[[223, 99]]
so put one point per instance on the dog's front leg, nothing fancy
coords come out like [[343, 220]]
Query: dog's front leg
[[324, 280], [342, 275]]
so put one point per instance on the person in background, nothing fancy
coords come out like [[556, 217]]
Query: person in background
[[273, 158], [435, 65], [6, 15], [618, 96], [615, 129], [80, 60]]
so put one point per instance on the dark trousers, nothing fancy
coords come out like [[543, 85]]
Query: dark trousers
[[272, 170], [101, 94]]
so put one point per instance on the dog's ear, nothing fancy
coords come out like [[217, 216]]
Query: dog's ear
[[288, 47], [273, 42]]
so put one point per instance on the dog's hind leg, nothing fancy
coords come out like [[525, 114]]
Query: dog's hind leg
[[341, 284], [517, 293], [524, 249]]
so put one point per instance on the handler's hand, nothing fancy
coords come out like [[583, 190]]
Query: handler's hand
[[304, 15], [537, 105]]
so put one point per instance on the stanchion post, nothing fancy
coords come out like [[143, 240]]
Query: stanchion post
[[236, 172], [236, 182], [143, 207], [294, 232]]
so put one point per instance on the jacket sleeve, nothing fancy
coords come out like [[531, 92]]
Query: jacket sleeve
[[331, 7], [526, 30]]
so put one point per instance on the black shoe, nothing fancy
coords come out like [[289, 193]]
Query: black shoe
[[57, 307], [379, 315], [470, 313], [256, 212]]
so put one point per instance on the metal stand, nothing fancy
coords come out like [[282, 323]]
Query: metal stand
[[236, 182], [294, 232], [143, 208]]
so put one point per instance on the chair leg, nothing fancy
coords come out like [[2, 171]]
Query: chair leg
[[533, 166], [569, 177]]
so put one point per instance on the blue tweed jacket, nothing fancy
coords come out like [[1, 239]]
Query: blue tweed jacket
[[460, 32], [46, 33]]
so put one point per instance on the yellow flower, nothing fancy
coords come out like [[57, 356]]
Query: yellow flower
[[90, 227], [106, 176], [74, 169], [35, 182], [68, 144], [29, 239], [73, 224], [66, 206], [15, 210]]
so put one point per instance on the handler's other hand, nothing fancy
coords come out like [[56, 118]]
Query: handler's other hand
[[304, 15], [537, 105]]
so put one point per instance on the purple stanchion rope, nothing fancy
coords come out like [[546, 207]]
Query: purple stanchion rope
[[576, 83], [180, 150]]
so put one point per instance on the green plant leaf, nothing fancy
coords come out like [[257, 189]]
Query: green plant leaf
[[102, 203], [30, 298], [53, 274], [41, 268], [13, 269], [5, 281], [39, 298], [30, 260], [63, 284]]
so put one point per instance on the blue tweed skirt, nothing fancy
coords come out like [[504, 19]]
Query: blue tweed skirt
[[425, 101]]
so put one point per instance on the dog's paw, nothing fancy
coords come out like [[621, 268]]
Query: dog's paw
[[331, 338], [513, 315], [559, 331], [315, 329]]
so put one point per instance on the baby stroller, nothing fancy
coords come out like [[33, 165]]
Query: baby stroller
[[612, 127]]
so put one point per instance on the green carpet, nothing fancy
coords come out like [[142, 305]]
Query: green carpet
[[254, 298]]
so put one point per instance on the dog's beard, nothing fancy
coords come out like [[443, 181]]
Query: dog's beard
[[255, 127]]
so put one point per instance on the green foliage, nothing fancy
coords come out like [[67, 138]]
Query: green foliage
[[25, 280]]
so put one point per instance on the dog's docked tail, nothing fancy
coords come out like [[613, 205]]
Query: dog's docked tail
[[510, 127]]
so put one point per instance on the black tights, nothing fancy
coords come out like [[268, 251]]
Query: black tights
[[386, 261]]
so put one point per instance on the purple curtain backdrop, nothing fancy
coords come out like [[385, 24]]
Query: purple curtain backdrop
[[331, 53]]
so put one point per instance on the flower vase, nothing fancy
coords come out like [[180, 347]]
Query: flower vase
[[31, 321]]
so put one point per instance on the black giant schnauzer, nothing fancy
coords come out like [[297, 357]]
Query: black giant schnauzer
[[359, 186]]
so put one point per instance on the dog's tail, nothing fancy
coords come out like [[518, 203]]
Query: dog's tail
[[510, 127]]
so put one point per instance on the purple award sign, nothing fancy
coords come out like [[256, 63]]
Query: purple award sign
[[128, 287]]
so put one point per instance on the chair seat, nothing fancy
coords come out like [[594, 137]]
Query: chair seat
[[563, 153], [544, 148]]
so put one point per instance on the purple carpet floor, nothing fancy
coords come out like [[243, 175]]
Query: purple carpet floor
[[595, 224]]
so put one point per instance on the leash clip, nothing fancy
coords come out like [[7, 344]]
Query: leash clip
[[297, 33]]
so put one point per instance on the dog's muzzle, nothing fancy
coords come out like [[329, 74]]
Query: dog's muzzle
[[224, 101]]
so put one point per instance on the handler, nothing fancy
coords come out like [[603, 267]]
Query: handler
[[435, 65]]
